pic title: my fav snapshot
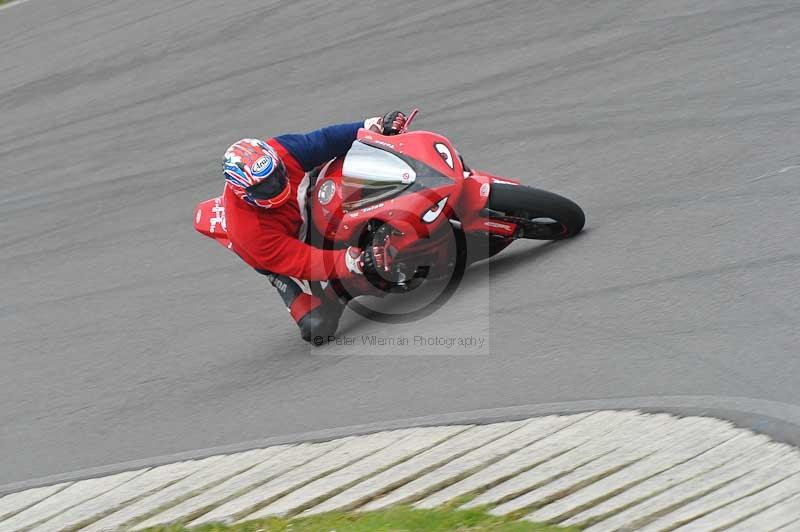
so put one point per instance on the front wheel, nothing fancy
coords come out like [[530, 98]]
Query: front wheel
[[539, 214]]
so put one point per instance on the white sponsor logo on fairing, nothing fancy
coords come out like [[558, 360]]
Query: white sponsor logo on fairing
[[219, 217]]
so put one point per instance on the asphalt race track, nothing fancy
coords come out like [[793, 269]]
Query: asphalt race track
[[126, 335]]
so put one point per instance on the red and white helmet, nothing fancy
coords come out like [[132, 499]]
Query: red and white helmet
[[256, 174]]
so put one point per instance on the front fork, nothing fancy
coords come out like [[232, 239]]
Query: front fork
[[412, 259], [474, 213]]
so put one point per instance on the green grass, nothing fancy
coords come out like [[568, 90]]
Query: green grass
[[397, 519]]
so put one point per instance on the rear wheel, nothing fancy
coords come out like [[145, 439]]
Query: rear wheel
[[539, 214]]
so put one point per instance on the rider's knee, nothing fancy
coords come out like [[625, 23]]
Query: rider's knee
[[316, 326]]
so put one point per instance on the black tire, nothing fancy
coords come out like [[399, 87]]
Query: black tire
[[541, 215]]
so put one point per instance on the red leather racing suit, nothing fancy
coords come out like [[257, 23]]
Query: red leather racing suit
[[271, 240]]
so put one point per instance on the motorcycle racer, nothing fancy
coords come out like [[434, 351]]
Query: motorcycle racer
[[266, 182]]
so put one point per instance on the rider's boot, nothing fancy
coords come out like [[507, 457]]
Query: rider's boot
[[317, 318]]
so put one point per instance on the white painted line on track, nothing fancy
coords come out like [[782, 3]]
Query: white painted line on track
[[737, 489], [714, 458], [400, 474], [445, 494], [525, 435], [791, 527], [283, 458], [632, 441], [537, 452], [605, 470], [414, 443], [685, 492], [567, 454], [16, 502], [335, 460], [750, 505], [636, 447], [214, 469], [248, 501], [688, 440], [109, 501], [781, 514], [65, 499]]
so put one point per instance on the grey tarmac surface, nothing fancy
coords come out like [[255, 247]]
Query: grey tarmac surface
[[126, 335]]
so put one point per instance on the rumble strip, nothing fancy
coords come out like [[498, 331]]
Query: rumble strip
[[603, 470]]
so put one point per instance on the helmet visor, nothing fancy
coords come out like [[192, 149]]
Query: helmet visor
[[269, 187]]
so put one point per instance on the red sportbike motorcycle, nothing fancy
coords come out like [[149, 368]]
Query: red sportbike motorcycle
[[413, 194]]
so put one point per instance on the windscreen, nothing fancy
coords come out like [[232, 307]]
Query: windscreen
[[370, 174]]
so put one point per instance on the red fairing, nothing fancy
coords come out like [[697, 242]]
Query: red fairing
[[475, 195], [266, 239], [209, 219], [403, 211]]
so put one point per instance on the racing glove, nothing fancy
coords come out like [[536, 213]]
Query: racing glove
[[389, 124], [369, 263], [393, 122]]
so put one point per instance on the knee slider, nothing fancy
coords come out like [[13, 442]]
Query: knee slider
[[317, 323]]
